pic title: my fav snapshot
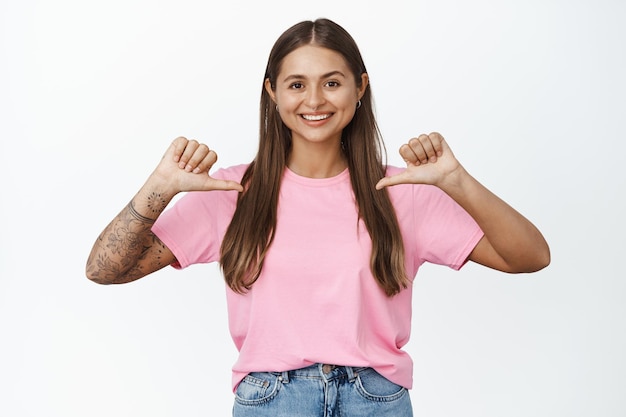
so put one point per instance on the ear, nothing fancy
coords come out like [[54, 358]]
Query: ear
[[365, 79], [268, 88]]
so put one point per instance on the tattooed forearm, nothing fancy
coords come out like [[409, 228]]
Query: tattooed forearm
[[126, 259], [128, 249]]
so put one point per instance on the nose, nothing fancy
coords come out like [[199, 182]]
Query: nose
[[315, 98]]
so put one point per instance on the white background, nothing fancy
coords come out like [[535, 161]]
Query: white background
[[530, 95]]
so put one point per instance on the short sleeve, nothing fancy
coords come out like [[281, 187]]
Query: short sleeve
[[446, 233], [194, 226]]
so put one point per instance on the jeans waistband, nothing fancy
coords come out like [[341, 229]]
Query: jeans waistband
[[323, 371]]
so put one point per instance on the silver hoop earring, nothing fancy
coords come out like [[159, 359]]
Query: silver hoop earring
[[358, 104]]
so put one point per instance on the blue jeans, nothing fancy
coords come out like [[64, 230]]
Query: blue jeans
[[321, 391]]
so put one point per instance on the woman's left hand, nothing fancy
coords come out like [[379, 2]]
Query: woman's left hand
[[429, 160], [510, 243]]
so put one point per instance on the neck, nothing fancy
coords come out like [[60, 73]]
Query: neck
[[317, 161]]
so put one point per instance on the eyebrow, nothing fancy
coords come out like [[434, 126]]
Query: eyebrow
[[328, 74]]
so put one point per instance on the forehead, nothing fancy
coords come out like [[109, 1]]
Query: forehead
[[311, 61]]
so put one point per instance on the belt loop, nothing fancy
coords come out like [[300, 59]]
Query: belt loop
[[351, 374], [284, 377]]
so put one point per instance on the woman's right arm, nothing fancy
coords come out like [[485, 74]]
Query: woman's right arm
[[127, 249]]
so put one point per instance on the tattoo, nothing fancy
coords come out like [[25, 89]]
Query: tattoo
[[138, 216], [123, 241], [158, 247], [120, 264], [128, 249], [156, 203]]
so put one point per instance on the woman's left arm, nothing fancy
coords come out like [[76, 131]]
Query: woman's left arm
[[511, 242]]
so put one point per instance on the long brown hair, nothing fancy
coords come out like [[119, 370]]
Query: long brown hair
[[253, 225]]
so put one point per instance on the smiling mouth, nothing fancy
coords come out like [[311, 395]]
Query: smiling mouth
[[315, 117]]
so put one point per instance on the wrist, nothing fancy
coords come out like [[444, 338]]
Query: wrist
[[161, 184], [456, 181], [152, 199]]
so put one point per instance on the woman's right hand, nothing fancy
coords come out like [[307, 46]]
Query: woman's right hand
[[127, 249], [186, 165]]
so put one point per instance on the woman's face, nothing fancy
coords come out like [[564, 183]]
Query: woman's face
[[316, 94]]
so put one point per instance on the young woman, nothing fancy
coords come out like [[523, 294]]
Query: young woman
[[318, 240]]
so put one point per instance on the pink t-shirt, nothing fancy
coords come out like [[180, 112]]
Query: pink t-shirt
[[316, 300]]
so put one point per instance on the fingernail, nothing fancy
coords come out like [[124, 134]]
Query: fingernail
[[195, 171]]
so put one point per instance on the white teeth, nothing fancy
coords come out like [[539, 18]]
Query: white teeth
[[315, 117]]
